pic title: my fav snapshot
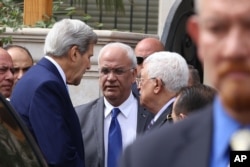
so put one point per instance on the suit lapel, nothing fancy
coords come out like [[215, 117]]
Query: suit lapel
[[143, 118], [98, 124], [163, 117]]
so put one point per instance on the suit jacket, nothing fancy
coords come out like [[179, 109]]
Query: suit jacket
[[163, 117], [184, 144], [91, 117], [135, 89], [43, 102]]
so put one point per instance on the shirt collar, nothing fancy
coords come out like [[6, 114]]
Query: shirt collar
[[58, 68], [123, 107], [163, 109]]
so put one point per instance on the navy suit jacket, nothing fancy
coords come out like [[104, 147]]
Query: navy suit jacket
[[91, 117], [184, 144], [43, 102]]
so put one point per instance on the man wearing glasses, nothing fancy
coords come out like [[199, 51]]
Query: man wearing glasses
[[117, 71], [162, 76], [143, 49]]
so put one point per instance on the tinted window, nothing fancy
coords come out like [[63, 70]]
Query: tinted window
[[17, 147]]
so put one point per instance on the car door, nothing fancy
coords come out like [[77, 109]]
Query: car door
[[17, 146]]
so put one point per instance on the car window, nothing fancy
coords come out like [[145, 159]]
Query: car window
[[17, 146]]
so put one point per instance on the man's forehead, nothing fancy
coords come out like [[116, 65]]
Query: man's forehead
[[239, 5]]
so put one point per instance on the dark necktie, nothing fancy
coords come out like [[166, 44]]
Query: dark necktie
[[114, 140]]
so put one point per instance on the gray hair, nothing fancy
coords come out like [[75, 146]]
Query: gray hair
[[66, 33], [197, 6], [171, 67], [125, 47]]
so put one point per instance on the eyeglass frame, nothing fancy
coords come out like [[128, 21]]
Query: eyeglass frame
[[140, 79], [115, 71]]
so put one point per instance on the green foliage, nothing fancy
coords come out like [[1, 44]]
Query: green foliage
[[11, 15]]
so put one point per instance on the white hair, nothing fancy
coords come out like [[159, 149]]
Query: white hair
[[171, 67], [125, 47], [66, 33]]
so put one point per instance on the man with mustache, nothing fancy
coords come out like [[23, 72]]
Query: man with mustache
[[221, 31], [117, 72], [6, 73]]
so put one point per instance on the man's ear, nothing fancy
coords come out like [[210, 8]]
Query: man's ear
[[158, 85], [73, 53], [193, 29], [134, 73], [182, 116]]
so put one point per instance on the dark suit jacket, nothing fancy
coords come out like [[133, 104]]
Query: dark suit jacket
[[91, 117], [184, 144], [163, 117], [43, 102], [135, 89]]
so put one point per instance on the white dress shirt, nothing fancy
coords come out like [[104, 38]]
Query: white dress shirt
[[127, 120]]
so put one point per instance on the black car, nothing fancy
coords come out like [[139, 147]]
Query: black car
[[17, 146]]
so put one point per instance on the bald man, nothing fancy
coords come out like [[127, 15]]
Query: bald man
[[22, 60], [146, 47], [143, 49], [6, 73]]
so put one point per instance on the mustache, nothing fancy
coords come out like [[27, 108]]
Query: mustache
[[234, 66]]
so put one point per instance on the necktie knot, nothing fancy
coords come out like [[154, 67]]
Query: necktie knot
[[115, 112], [240, 140]]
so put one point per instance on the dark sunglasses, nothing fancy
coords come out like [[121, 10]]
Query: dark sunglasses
[[140, 60]]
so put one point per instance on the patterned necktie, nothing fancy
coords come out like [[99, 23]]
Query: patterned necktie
[[114, 140]]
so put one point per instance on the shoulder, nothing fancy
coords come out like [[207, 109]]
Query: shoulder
[[90, 105], [167, 139]]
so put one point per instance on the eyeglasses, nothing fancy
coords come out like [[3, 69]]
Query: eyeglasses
[[116, 71], [140, 59], [140, 80]]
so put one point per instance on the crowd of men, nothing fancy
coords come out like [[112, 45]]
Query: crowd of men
[[147, 93]]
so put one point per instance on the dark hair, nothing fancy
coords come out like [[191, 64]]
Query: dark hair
[[192, 98], [7, 47], [194, 77]]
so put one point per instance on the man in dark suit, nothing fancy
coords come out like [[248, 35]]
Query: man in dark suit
[[162, 76], [42, 99], [117, 70], [221, 30]]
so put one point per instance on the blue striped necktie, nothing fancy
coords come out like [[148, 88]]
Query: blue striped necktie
[[114, 139]]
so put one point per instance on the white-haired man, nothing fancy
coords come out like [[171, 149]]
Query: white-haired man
[[162, 76], [221, 31]]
